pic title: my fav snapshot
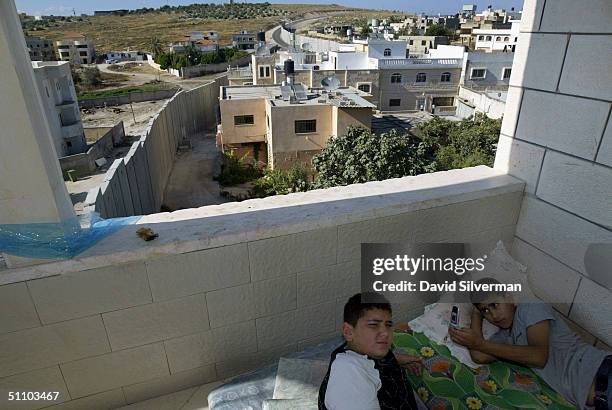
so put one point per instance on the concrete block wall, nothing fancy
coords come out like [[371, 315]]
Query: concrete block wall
[[556, 136], [135, 184], [144, 321]]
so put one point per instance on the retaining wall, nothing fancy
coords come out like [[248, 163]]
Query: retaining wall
[[134, 185]]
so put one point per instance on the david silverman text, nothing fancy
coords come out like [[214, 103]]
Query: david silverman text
[[464, 286]]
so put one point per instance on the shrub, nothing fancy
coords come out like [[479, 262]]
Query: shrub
[[235, 170], [280, 182]]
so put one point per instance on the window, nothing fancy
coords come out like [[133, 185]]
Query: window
[[305, 126], [498, 38], [365, 87], [264, 71], [83, 61], [506, 73], [515, 39], [480, 38], [478, 73], [506, 39], [81, 46], [395, 102], [83, 53], [411, 42], [244, 120], [387, 52], [423, 42], [489, 38], [64, 54], [68, 144], [63, 47], [445, 78], [407, 53], [396, 78], [421, 78]]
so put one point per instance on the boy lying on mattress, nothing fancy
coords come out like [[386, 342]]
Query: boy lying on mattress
[[533, 335]]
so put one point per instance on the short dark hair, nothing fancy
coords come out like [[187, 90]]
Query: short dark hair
[[480, 296], [355, 307]]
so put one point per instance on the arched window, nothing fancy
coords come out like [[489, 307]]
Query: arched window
[[445, 77], [421, 78], [387, 52], [506, 39], [396, 78], [489, 38], [498, 38]]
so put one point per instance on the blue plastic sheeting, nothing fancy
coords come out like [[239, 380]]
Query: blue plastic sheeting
[[55, 240]]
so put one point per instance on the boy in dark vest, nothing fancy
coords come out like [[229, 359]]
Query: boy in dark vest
[[363, 373]]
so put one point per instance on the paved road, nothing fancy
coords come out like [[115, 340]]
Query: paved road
[[275, 32]]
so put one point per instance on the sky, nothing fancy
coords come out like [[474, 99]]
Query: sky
[[65, 7]]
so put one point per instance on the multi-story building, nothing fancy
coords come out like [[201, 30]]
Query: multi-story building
[[395, 81], [206, 42], [484, 84], [54, 81], [245, 40], [497, 39], [40, 49], [283, 124], [76, 50]]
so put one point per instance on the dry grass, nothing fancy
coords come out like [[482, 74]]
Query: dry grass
[[111, 33]]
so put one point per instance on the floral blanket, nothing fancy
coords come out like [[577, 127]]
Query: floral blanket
[[446, 383]]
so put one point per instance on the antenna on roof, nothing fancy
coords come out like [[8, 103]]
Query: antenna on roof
[[330, 83]]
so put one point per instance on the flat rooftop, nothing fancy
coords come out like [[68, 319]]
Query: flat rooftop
[[341, 97]]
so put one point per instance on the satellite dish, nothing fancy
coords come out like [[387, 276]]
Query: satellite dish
[[330, 83], [262, 51], [306, 46]]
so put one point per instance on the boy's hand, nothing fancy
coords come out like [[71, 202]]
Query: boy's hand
[[414, 364], [466, 337]]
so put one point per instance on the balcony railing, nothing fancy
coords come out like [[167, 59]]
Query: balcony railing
[[240, 72], [435, 85], [486, 86], [411, 62]]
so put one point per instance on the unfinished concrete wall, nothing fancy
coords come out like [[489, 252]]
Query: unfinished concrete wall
[[84, 164], [557, 137], [149, 162]]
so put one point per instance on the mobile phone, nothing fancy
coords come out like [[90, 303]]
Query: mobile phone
[[454, 320]]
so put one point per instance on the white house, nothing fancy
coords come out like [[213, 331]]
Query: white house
[[497, 39]]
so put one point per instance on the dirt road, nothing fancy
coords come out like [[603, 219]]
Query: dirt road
[[110, 116]]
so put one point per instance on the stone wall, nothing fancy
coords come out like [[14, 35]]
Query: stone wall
[[135, 184], [557, 137], [224, 289]]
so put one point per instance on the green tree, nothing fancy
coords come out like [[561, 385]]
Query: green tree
[[468, 143], [156, 46], [90, 76], [360, 156], [438, 30]]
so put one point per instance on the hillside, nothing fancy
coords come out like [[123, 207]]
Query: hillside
[[169, 24]]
